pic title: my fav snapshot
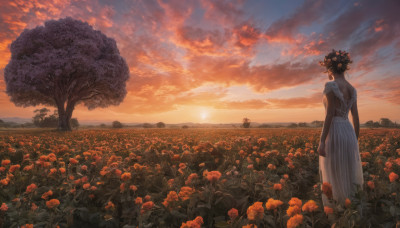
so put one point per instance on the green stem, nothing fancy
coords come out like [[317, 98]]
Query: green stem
[[312, 219]]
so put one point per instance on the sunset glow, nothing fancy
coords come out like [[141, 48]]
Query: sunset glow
[[218, 61], [204, 115]]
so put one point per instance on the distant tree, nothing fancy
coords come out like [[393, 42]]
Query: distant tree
[[41, 119], [376, 124], [116, 124], [28, 125], [147, 125], [369, 123], [293, 125], [386, 122], [74, 123], [50, 121], [2, 123], [40, 115], [160, 125], [265, 126], [185, 126], [317, 123], [103, 125], [246, 122], [65, 63], [303, 124]]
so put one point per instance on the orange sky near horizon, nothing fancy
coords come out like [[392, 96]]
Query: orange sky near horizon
[[217, 61]]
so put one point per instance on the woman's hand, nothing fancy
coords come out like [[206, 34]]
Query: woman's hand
[[321, 149]]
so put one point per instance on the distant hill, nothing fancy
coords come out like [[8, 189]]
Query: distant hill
[[16, 119]]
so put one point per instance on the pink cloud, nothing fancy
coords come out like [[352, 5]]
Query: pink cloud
[[246, 35], [225, 12]]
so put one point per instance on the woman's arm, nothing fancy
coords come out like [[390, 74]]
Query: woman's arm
[[356, 120], [330, 112]]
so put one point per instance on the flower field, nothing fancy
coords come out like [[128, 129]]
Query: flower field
[[189, 178]]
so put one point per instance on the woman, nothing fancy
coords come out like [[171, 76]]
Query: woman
[[339, 161]]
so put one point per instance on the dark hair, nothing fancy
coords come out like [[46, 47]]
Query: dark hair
[[336, 61]]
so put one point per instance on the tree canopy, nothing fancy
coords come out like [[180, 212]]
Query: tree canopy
[[64, 63]]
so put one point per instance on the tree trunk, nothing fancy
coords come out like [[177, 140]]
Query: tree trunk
[[64, 116], [64, 122]]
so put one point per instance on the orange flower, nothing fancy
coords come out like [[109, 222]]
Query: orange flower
[[5, 162], [31, 188], [295, 221], [255, 211], [310, 206], [371, 184], [133, 188], [138, 200], [13, 168], [273, 204], [170, 182], [109, 205], [250, 226], [295, 201], [195, 223], [73, 161], [191, 178], [118, 172], [185, 192], [171, 198], [347, 202], [27, 226], [271, 167], [233, 213], [126, 176], [393, 176], [147, 206], [277, 187], [46, 195], [327, 189], [328, 210], [5, 181], [52, 171], [122, 187], [293, 210], [3, 207], [86, 186], [202, 164], [34, 207], [213, 176], [182, 165], [52, 203]]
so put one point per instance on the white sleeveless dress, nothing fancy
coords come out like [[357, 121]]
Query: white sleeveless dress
[[342, 166]]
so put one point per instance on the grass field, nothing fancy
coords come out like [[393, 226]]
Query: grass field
[[188, 178]]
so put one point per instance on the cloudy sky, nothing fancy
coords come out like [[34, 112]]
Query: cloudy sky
[[218, 61]]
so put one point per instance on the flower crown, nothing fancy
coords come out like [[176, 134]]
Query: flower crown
[[336, 61]]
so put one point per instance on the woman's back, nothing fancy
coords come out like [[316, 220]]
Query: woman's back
[[345, 96]]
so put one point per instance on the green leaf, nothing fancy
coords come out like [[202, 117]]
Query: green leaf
[[392, 211], [221, 224], [177, 214]]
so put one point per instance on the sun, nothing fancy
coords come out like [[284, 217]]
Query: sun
[[203, 115]]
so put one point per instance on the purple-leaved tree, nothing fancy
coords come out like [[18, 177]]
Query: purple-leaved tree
[[65, 63]]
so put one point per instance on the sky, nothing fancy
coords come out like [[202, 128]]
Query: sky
[[218, 61]]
